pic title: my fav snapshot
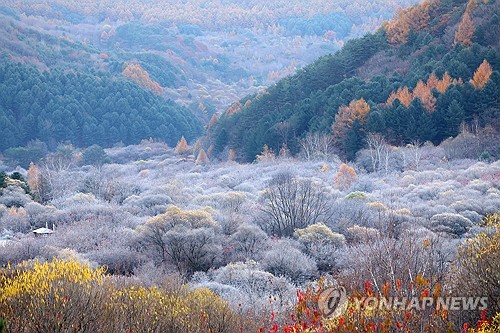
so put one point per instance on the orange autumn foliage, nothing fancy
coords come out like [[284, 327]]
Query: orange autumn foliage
[[471, 5], [34, 178], [345, 177], [465, 31], [231, 155], [182, 146], [403, 95], [415, 18], [139, 75], [202, 158], [482, 75], [424, 93], [214, 120], [444, 83], [432, 81], [347, 115]]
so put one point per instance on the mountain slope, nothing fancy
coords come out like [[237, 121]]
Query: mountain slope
[[84, 109], [197, 51], [414, 74]]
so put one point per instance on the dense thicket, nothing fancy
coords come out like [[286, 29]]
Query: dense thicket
[[62, 106], [373, 68]]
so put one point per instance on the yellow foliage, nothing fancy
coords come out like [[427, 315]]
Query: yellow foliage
[[35, 279], [318, 232], [488, 327], [69, 296], [196, 218]]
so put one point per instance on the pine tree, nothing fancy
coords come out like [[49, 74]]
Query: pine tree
[[453, 118]]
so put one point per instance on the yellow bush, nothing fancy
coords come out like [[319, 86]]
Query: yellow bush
[[68, 296], [51, 296]]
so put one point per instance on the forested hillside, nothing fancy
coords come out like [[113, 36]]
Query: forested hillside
[[419, 77], [84, 109]]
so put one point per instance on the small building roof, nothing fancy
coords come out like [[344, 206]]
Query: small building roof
[[43, 231]]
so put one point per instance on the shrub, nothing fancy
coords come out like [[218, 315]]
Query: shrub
[[454, 224], [151, 204], [285, 260], [185, 238], [14, 196], [245, 285], [51, 297], [68, 296], [358, 234], [320, 243], [478, 263], [357, 195], [248, 242]]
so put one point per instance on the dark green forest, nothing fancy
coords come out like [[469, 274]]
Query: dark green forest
[[372, 68], [84, 109]]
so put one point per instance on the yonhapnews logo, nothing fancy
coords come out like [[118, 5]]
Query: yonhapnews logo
[[333, 302]]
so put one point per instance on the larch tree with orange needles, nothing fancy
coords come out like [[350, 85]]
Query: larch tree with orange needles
[[139, 75], [403, 95], [182, 146], [347, 115], [214, 120], [482, 75], [465, 31], [424, 93], [231, 155], [202, 158], [34, 180]]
